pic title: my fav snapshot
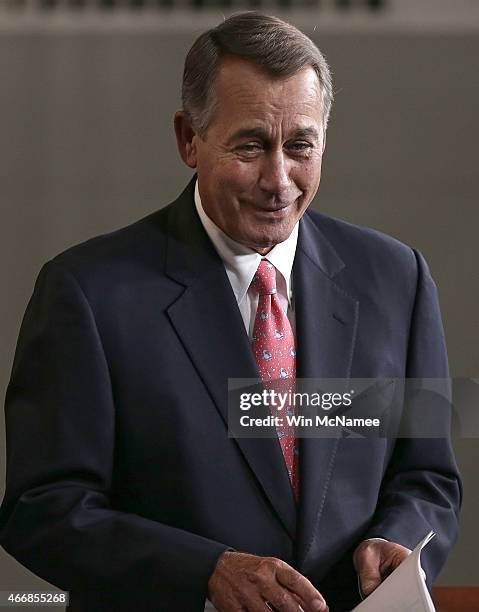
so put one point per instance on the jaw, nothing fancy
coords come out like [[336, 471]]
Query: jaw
[[265, 239]]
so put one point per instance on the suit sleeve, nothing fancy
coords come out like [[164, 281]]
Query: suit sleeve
[[422, 488], [57, 518]]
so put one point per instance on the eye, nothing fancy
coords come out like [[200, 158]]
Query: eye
[[300, 146], [249, 147]]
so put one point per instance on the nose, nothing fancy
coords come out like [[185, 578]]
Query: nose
[[275, 173]]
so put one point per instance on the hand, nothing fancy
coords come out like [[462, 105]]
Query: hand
[[375, 559], [243, 582]]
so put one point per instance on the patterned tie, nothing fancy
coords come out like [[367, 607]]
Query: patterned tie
[[275, 353]]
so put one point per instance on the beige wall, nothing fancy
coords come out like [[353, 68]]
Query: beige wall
[[86, 145]]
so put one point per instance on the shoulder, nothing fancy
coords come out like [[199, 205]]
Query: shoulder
[[104, 267], [132, 252], [374, 265], [126, 243], [365, 249], [350, 239]]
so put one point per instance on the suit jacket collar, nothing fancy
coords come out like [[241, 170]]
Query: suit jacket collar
[[326, 324]]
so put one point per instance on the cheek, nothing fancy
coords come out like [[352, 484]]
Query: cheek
[[239, 177], [309, 175]]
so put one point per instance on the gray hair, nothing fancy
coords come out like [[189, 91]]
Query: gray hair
[[270, 43]]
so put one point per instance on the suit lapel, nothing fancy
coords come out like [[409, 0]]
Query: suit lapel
[[326, 323], [208, 322]]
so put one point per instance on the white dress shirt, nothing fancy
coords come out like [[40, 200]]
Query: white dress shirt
[[241, 264]]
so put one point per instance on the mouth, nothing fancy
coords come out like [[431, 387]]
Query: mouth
[[274, 208], [274, 212]]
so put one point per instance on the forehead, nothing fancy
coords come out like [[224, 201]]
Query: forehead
[[245, 94]]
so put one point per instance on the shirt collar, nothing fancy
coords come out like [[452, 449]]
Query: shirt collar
[[241, 262]]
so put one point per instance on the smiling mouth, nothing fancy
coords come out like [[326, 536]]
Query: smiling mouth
[[272, 213], [275, 209], [276, 205]]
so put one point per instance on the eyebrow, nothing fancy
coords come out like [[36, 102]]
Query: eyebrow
[[263, 135]]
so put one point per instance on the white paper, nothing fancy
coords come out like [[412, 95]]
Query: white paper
[[404, 590]]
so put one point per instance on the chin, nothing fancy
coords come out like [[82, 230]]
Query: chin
[[278, 233], [267, 242]]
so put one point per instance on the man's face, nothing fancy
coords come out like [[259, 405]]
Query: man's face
[[259, 164]]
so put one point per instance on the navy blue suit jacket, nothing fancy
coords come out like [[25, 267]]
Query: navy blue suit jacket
[[123, 486]]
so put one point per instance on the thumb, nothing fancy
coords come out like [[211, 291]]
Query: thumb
[[369, 579], [367, 562]]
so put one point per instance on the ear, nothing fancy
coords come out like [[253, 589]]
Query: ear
[[324, 141], [186, 138]]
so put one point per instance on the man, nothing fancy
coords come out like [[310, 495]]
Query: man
[[123, 486]]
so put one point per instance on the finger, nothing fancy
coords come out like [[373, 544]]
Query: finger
[[281, 600], [310, 598], [367, 566], [298, 608], [399, 554], [253, 602], [273, 609]]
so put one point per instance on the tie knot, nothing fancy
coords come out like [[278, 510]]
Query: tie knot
[[264, 281]]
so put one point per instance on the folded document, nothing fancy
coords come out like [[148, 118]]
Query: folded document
[[404, 590]]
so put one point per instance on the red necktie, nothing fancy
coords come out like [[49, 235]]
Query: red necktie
[[275, 353]]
